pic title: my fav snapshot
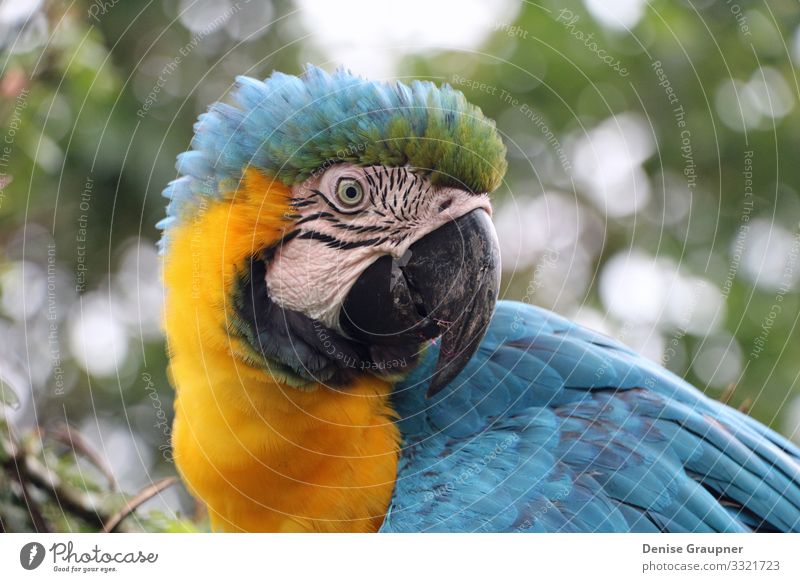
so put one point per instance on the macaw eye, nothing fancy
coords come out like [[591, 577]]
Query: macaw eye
[[349, 191]]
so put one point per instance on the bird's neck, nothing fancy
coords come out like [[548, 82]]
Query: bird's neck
[[262, 455]]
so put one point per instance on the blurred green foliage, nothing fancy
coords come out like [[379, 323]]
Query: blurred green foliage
[[99, 97]]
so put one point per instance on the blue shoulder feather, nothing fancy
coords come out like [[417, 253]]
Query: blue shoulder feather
[[552, 427]]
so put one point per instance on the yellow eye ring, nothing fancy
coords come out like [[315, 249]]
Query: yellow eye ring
[[349, 192]]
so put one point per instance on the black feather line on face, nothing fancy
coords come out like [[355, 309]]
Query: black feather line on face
[[371, 189], [403, 178], [359, 229], [290, 342], [302, 203], [382, 191], [339, 244], [394, 202], [407, 202], [418, 198], [312, 217]]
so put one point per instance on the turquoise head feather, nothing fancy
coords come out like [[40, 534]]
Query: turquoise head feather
[[289, 127]]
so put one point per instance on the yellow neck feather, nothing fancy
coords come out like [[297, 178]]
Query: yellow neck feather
[[263, 456]]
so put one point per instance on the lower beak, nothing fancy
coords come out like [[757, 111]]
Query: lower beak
[[445, 285]]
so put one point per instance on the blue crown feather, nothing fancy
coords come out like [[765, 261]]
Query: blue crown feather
[[288, 127]]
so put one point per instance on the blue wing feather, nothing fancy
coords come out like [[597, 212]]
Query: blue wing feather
[[553, 427]]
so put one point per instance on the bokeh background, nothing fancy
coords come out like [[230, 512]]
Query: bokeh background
[[652, 194]]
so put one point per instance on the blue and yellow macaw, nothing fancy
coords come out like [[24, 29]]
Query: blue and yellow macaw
[[341, 361]]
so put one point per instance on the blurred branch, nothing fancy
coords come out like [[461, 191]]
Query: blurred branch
[[67, 498], [25, 468], [39, 523], [145, 494], [42, 495], [75, 441]]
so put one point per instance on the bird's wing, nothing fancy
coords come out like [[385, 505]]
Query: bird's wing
[[552, 427]]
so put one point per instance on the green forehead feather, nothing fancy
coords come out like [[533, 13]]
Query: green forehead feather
[[290, 127]]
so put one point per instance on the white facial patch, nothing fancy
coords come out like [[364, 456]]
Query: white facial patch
[[348, 217]]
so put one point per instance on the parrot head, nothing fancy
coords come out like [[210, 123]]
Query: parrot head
[[357, 228]]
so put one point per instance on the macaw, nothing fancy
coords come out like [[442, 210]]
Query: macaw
[[342, 363]]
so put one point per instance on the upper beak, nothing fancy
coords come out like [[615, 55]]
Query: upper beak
[[445, 285]]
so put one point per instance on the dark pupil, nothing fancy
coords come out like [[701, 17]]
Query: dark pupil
[[351, 192]]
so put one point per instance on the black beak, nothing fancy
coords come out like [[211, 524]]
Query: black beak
[[445, 285]]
